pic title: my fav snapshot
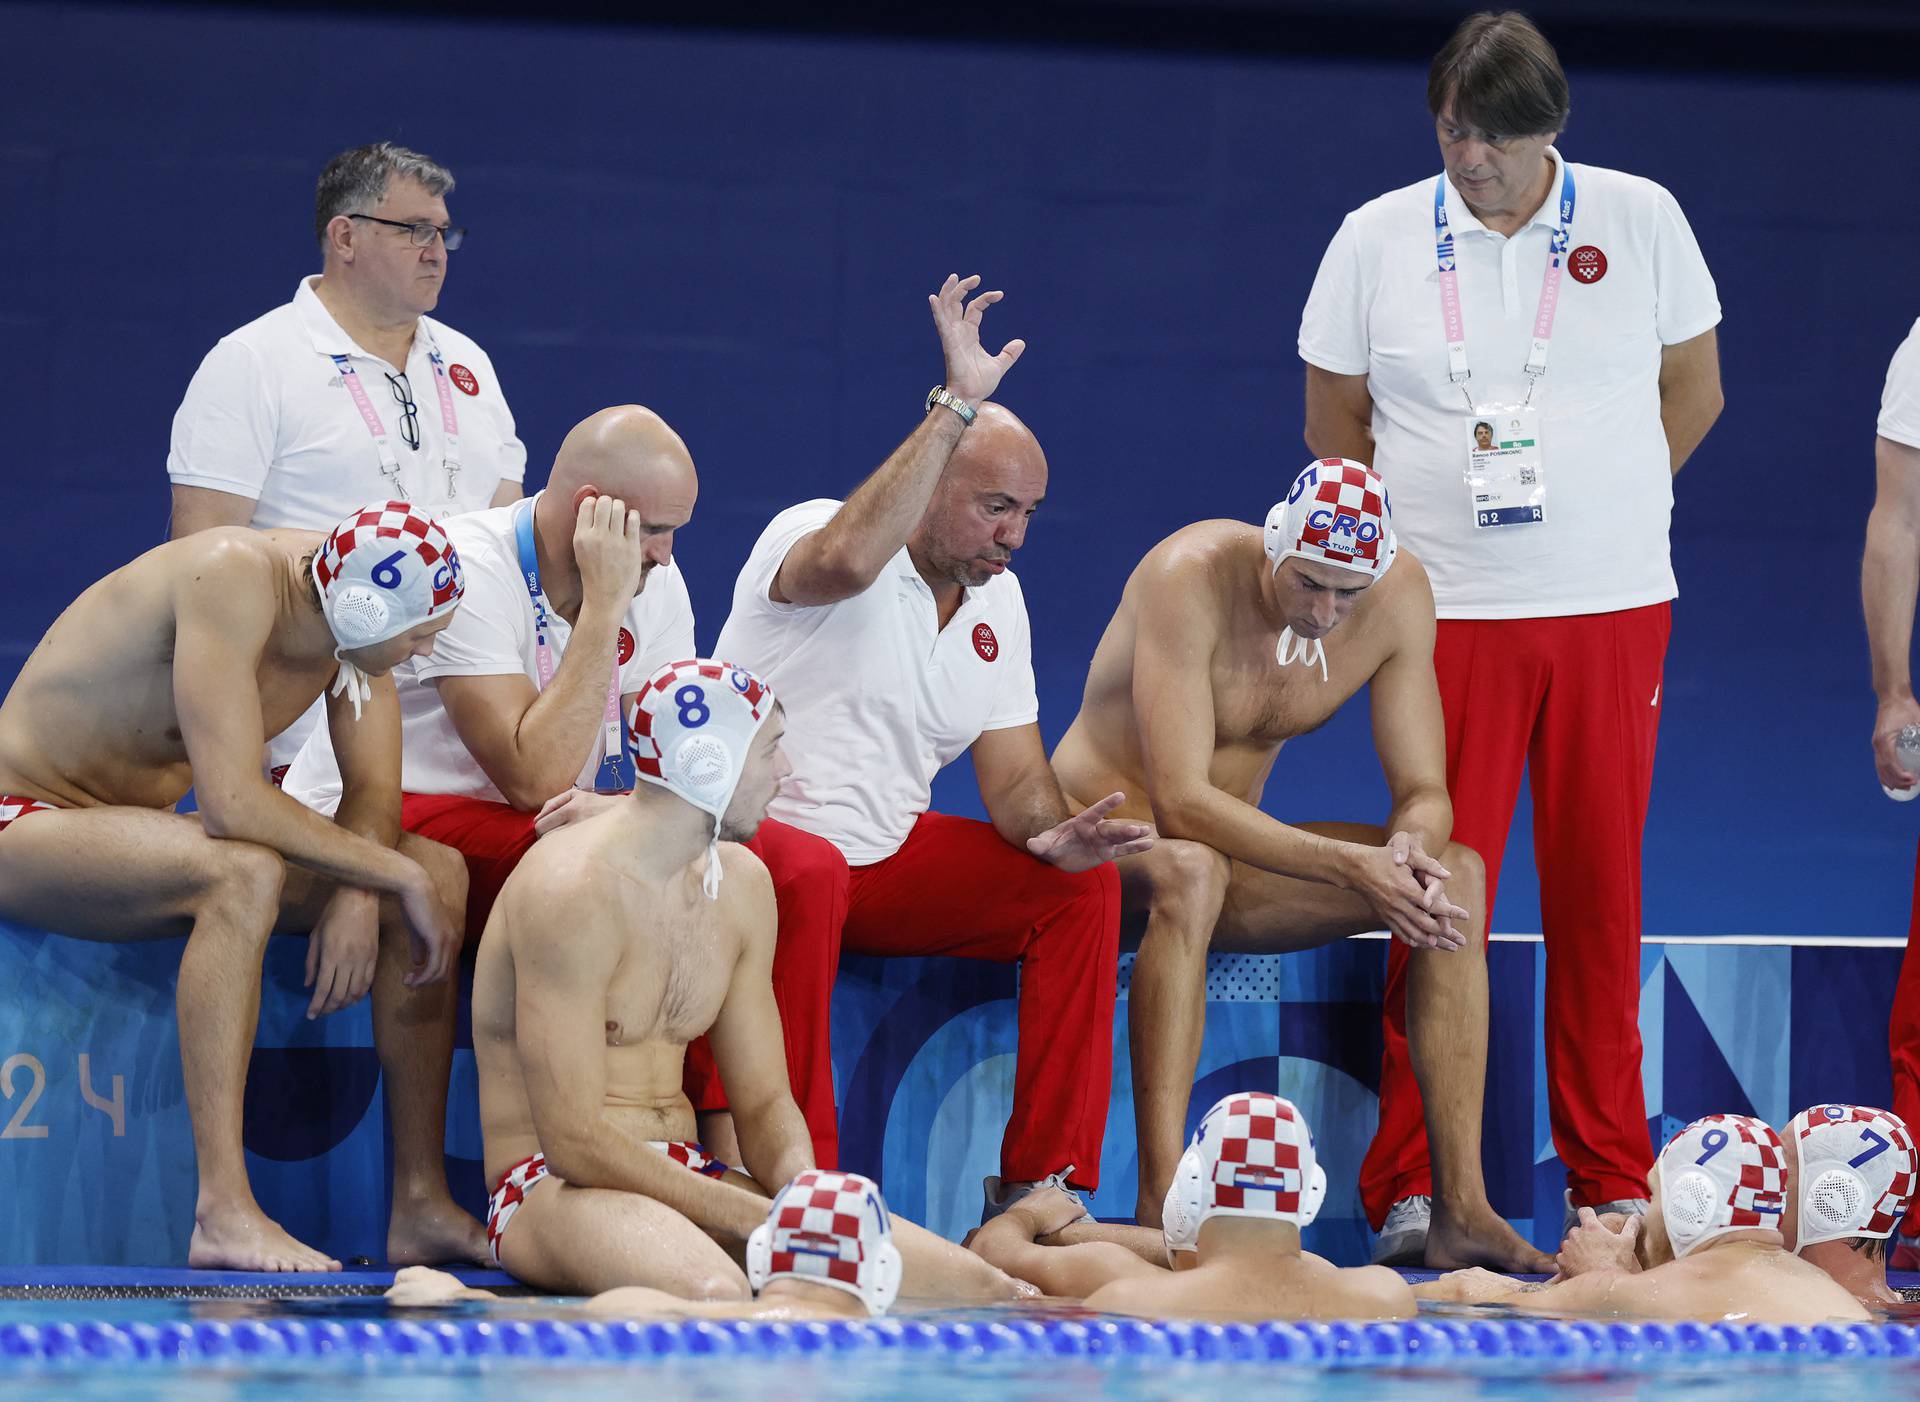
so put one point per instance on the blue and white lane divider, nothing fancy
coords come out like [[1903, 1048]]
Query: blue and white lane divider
[[429, 1343]]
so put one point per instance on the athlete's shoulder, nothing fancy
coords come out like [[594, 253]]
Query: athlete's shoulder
[[1199, 551], [746, 891]]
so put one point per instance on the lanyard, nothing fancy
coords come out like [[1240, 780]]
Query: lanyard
[[616, 770], [1453, 323], [449, 421]]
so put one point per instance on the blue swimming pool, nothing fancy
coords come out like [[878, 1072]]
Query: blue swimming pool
[[294, 1351]]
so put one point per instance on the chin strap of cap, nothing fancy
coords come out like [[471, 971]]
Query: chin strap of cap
[[1307, 651], [354, 682]]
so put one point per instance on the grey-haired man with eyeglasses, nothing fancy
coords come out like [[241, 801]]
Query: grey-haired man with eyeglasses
[[351, 393]]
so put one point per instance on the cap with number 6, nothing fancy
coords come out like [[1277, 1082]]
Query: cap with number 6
[[691, 728]]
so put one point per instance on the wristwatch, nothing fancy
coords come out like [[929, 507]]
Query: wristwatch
[[940, 394]]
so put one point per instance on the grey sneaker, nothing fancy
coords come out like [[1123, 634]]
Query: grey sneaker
[[1403, 1237], [1626, 1207], [999, 1196]]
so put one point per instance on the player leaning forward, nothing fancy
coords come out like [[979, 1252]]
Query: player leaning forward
[[1228, 642], [169, 674], [581, 1041]]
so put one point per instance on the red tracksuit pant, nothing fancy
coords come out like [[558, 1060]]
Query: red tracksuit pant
[[1576, 702], [956, 887], [493, 837], [1904, 1037]]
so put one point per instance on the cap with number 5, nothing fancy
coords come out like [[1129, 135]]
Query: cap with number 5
[[691, 728]]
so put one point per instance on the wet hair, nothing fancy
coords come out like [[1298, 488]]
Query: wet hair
[[1874, 1248], [1500, 76], [356, 180], [313, 585]]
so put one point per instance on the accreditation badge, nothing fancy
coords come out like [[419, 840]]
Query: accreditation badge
[[1506, 475]]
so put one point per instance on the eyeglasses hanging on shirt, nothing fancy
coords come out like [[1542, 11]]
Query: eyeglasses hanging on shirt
[[402, 390]]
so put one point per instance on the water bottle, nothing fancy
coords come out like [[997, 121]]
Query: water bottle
[[1906, 753]]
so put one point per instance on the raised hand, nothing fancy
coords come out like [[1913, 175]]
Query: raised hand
[[1090, 838], [571, 806], [609, 550], [1592, 1246], [972, 374]]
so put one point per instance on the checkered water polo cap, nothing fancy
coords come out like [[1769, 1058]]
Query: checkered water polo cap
[[832, 1229], [1336, 513], [1251, 1157], [1722, 1173], [691, 728], [1857, 1172], [383, 570]]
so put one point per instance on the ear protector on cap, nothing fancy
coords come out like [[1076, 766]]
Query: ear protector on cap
[[1252, 1156], [832, 1229], [1722, 1173], [1857, 1172]]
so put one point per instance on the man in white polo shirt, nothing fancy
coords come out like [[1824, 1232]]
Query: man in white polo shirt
[[349, 393], [1889, 582], [577, 602], [897, 639], [1545, 535]]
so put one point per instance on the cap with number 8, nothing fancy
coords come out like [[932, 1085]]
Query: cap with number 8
[[692, 726]]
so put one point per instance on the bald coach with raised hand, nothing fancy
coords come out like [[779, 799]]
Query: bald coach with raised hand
[[1538, 495], [898, 640]]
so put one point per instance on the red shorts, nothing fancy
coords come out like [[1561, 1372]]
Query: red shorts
[[493, 837], [13, 808]]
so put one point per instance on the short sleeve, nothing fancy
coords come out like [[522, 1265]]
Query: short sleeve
[[1900, 400], [662, 625], [225, 429], [1333, 325], [488, 631], [770, 552], [513, 453], [1017, 700], [1688, 302]]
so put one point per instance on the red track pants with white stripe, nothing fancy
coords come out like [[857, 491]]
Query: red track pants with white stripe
[[1903, 1036], [1576, 702]]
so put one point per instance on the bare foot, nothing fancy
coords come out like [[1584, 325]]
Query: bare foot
[[1479, 1236], [435, 1232], [243, 1238]]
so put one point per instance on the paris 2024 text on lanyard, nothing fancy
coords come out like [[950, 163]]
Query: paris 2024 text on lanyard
[[1505, 472]]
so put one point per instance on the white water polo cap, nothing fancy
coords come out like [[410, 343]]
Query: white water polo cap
[[832, 1229], [691, 730], [1857, 1172], [1251, 1157], [1336, 513], [1722, 1173], [382, 571]]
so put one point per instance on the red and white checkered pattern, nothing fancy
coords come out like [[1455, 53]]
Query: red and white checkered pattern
[[506, 1199], [1746, 1166], [690, 1156], [429, 575], [1259, 1154], [1336, 512], [12, 806], [1873, 1145], [831, 1228]]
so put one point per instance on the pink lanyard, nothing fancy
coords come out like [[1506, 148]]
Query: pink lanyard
[[1454, 323], [449, 420]]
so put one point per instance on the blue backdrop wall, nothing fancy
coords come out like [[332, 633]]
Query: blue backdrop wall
[[739, 231]]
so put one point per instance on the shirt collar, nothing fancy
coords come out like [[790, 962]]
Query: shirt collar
[[326, 334], [1460, 218], [904, 568]]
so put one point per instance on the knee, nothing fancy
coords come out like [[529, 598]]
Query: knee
[[1465, 864], [247, 877], [445, 868], [728, 1285], [1188, 883], [802, 865]]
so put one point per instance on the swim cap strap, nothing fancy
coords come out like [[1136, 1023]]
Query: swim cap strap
[[1308, 651], [354, 683]]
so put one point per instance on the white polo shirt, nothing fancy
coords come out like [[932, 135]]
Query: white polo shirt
[[879, 697], [1900, 401], [267, 416], [492, 635], [1375, 311]]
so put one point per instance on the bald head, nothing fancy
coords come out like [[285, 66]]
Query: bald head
[[978, 517], [627, 452]]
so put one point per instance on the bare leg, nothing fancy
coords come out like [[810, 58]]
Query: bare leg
[[413, 1033], [1448, 1033], [933, 1268], [129, 873], [581, 1241], [1180, 886], [1447, 1039]]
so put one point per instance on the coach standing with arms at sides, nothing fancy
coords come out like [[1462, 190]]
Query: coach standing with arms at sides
[[349, 393], [1568, 307]]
